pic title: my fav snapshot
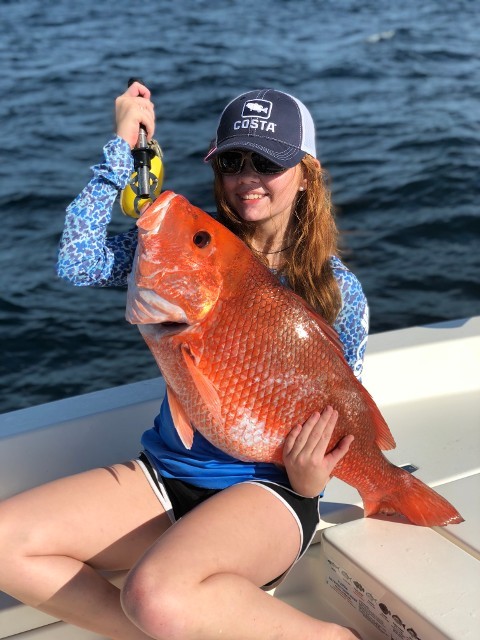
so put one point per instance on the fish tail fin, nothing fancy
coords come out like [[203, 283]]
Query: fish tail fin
[[414, 499]]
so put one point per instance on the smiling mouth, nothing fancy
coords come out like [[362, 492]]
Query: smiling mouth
[[252, 196]]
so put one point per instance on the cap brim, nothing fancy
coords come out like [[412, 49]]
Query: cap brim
[[282, 154]]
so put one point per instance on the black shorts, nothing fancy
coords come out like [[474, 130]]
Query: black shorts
[[178, 498]]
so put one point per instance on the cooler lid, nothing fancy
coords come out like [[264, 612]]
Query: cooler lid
[[431, 576]]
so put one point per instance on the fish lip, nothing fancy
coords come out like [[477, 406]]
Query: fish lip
[[147, 223], [145, 306]]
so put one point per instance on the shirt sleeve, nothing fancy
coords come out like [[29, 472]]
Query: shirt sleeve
[[352, 321], [86, 256]]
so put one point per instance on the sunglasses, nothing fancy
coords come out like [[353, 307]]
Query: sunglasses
[[231, 163]]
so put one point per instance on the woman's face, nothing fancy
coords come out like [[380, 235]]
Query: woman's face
[[257, 197]]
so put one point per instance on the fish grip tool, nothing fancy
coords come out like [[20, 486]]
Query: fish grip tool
[[145, 183], [142, 157]]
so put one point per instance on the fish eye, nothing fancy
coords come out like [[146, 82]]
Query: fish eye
[[201, 239]]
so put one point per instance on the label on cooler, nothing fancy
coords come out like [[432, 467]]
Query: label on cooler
[[373, 607]]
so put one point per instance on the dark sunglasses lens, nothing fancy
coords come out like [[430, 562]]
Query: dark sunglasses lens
[[264, 165], [230, 162]]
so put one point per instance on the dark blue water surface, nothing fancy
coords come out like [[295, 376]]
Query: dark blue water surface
[[394, 88]]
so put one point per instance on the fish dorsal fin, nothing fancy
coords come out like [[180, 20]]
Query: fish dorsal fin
[[383, 438], [204, 386], [180, 419]]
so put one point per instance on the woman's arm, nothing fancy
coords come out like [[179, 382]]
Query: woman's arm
[[86, 257], [351, 323]]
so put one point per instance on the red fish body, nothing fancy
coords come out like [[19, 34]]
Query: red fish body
[[245, 359]]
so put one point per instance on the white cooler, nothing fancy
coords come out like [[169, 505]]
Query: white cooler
[[397, 580]]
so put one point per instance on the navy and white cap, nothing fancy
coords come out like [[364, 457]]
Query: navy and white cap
[[272, 123]]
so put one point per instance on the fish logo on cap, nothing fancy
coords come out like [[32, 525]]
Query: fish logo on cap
[[257, 108]]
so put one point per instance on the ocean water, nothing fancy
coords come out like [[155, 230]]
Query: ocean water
[[394, 89]]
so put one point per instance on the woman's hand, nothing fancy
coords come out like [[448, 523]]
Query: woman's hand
[[132, 109], [307, 465]]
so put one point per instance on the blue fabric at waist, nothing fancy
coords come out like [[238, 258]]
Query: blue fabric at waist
[[203, 465]]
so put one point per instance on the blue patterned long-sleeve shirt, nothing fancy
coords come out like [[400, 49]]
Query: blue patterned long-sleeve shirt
[[87, 256]]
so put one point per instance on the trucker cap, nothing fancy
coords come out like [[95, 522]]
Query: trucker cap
[[270, 122]]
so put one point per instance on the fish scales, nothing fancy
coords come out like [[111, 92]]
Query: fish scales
[[247, 370], [245, 359]]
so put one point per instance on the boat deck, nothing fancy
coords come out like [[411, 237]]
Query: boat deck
[[384, 577]]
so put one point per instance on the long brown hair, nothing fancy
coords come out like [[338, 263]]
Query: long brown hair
[[312, 233]]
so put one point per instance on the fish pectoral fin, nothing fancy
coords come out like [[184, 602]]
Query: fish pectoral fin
[[204, 386], [180, 419]]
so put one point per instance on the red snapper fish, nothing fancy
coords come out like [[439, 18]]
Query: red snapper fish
[[245, 359]]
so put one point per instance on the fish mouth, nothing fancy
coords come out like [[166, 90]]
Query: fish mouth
[[171, 326], [162, 329]]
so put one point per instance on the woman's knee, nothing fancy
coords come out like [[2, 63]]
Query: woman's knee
[[13, 534], [25, 531], [157, 605], [15, 542]]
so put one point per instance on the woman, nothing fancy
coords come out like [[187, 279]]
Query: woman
[[238, 525]]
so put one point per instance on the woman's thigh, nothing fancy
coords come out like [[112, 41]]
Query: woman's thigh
[[106, 517], [244, 530]]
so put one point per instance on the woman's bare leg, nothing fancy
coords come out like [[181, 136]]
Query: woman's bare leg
[[200, 580], [54, 538]]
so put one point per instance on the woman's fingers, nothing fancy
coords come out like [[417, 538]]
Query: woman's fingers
[[290, 440], [315, 433], [132, 109], [338, 452], [308, 465], [322, 432], [138, 89]]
